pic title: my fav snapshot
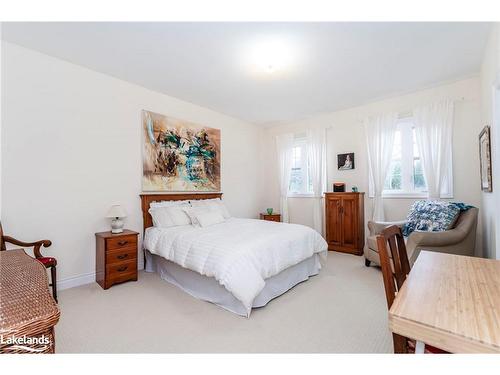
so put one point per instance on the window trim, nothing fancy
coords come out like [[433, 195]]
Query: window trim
[[302, 141], [407, 165]]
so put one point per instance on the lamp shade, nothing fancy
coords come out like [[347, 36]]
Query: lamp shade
[[116, 211]]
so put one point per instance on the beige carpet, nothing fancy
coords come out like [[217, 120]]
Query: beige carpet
[[342, 310]]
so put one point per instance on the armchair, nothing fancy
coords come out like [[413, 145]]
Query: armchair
[[48, 262], [460, 240]]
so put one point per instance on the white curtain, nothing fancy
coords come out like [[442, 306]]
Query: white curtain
[[316, 149], [433, 129], [380, 131], [284, 146]]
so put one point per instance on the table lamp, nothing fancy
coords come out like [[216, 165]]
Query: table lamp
[[116, 212]]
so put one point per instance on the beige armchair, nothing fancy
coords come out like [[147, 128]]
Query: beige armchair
[[461, 239]]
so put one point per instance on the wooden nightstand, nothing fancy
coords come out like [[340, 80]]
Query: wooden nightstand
[[116, 257], [272, 217]]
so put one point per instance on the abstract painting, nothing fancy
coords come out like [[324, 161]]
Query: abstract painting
[[179, 155]]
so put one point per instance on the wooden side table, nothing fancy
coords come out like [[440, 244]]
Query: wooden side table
[[116, 258], [272, 217]]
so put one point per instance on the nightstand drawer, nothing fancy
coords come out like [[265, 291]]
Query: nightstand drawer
[[271, 217], [121, 242], [121, 255], [117, 269], [121, 277]]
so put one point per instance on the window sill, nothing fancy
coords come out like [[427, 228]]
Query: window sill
[[411, 195], [297, 195], [408, 195]]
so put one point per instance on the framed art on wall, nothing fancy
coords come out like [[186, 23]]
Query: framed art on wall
[[485, 159], [345, 161], [179, 155]]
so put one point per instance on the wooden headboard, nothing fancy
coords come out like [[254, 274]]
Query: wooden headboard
[[146, 199]]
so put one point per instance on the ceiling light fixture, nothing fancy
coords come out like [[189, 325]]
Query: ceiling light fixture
[[270, 55]]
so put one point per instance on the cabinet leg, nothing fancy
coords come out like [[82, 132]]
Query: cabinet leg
[[367, 263]]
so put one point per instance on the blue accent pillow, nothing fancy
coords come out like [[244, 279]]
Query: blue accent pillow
[[432, 216]]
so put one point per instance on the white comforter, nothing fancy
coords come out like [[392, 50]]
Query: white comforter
[[239, 253]]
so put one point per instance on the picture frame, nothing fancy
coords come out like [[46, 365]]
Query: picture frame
[[485, 159], [179, 155], [345, 162]]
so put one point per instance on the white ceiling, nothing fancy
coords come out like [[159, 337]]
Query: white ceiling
[[337, 65]]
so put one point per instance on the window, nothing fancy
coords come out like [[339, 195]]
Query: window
[[405, 176], [300, 180]]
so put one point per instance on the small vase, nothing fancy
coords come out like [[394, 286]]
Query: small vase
[[269, 211]]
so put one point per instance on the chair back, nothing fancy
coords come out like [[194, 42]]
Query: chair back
[[2, 242], [396, 267]]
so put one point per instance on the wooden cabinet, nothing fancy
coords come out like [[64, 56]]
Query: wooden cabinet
[[345, 220], [116, 257], [270, 217]]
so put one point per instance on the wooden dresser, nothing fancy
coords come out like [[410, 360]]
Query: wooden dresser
[[345, 220], [116, 257]]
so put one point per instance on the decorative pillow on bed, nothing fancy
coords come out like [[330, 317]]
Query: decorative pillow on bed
[[431, 216], [208, 218], [165, 217], [215, 204], [203, 213]]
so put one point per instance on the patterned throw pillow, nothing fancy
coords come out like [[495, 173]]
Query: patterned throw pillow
[[432, 216]]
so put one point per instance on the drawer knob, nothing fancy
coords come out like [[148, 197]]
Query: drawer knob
[[121, 269], [121, 243], [122, 256]]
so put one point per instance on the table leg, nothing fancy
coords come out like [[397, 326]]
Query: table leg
[[419, 347]]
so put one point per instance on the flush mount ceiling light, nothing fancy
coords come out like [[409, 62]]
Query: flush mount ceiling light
[[270, 55]]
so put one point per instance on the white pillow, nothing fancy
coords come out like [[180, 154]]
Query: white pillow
[[165, 217], [161, 218], [168, 203], [208, 218], [214, 204]]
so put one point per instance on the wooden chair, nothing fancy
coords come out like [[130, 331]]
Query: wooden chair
[[48, 262], [395, 269]]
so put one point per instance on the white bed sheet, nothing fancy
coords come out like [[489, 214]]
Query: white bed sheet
[[239, 253]]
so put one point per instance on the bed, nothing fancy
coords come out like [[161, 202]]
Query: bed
[[238, 264]]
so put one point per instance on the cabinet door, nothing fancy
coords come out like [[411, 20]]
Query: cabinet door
[[349, 221], [333, 220]]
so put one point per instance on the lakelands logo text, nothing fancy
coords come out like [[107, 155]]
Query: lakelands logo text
[[26, 342]]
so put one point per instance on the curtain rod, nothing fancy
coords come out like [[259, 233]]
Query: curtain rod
[[401, 116], [404, 114]]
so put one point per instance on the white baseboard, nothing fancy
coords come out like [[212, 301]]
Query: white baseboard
[[72, 282]]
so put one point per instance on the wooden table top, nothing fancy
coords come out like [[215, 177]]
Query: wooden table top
[[451, 302]]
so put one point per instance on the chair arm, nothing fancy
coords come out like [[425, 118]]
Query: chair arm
[[36, 245], [437, 239], [376, 227]]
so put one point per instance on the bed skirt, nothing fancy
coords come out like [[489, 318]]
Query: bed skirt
[[208, 289]]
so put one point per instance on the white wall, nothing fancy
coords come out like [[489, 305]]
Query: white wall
[[490, 81], [71, 148], [346, 135]]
